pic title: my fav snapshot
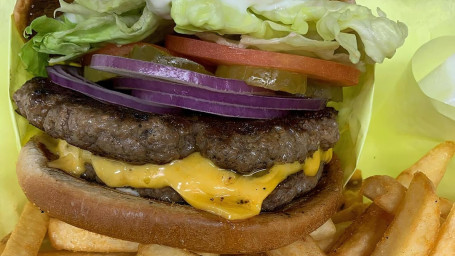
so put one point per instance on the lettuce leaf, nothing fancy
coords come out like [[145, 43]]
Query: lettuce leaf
[[82, 28], [331, 30], [315, 27], [110, 6]]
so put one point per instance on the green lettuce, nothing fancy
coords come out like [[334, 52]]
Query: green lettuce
[[331, 30], [307, 27], [110, 6], [82, 27]]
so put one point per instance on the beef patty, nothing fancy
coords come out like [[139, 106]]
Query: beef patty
[[242, 145], [292, 187]]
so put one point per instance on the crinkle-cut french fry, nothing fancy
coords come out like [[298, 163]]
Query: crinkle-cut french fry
[[326, 231], [433, 164], [416, 224], [361, 237], [28, 234], [64, 236], [384, 191], [306, 247], [445, 242], [161, 250], [446, 206]]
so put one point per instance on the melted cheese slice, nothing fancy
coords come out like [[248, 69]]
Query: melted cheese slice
[[195, 178]]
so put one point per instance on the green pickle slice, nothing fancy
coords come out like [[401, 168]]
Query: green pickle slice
[[277, 80], [153, 54], [281, 80]]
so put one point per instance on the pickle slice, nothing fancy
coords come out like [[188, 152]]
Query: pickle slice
[[153, 54], [316, 89], [273, 79], [281, 80]]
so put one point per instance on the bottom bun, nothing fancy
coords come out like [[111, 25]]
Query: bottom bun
[[110, 212]]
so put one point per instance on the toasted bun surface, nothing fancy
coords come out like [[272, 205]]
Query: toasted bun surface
[[25, 11], [109, 212], [21, 13]]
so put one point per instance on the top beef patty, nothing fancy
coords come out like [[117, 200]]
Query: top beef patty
[[112, 131]]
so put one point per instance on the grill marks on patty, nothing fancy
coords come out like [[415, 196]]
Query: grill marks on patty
[[112, 131]]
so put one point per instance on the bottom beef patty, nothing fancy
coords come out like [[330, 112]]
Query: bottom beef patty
[[292, 187]]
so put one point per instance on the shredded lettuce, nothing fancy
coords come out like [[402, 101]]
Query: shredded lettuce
[[83, 26]]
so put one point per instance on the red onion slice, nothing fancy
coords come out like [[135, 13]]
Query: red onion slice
[[196, 104], [69, 77], [245, 100], [61, 76], [210, 107], [145, 69]]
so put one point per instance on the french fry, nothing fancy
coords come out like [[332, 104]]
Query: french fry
[[384, 191], [349, 214], [64, 236], [326, 244], [3, 243], [161, 250], [361, 237], [446, 206], [433, 164], [387, 193], [28, 234], [326, 231], [69, 253], [53, 252], [306, 247], [416, 224], [445, 244], [248, 254]]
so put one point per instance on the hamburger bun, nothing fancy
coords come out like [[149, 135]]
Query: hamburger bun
[[27, 10], [110, 212]]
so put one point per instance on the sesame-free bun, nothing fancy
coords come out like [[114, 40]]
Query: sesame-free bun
[[110, 212]]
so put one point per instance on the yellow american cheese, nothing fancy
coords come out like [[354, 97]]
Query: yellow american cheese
[[195, 178]]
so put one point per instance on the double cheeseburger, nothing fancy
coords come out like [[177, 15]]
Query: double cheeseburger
[[181, 145]]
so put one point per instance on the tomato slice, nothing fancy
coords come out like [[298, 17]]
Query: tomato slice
[[333, 72], [117, 50]]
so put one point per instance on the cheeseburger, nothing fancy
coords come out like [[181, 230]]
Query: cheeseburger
[[204, 125]]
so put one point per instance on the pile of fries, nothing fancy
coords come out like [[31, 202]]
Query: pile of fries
[[404, 217]]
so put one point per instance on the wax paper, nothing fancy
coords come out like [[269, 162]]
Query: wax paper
[[405, 124], [11, 197], [354, 115]]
